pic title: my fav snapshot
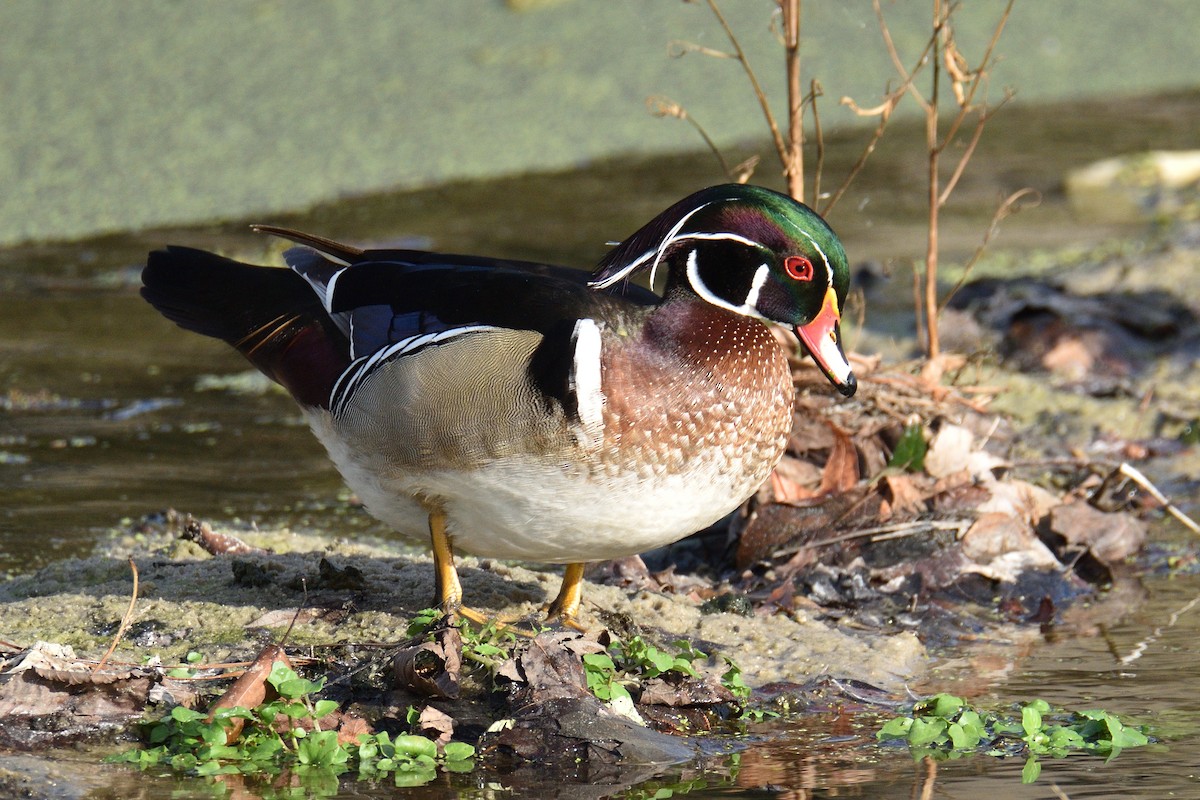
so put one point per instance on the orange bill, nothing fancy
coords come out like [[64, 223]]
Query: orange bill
[[822, 339]]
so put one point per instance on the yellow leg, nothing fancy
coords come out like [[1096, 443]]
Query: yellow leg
[[566, 605], [446, 584]]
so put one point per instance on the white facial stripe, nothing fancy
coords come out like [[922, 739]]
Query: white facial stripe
[[746, 309], [657, 253], [585, 380], [760, 278]]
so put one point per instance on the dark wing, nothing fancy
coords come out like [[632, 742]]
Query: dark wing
[[270, 315], [338, 305], [388, 296]]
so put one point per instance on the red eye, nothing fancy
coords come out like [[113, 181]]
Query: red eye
[[799, 268]]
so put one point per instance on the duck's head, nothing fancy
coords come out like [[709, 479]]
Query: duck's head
[[752, 251]]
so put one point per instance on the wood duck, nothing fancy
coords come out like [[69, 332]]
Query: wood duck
[[524, 411]]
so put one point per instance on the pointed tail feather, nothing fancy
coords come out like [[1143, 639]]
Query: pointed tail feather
[[270, 315]]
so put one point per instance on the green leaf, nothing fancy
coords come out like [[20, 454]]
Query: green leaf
[[910, 450], [458, 751], [972, 724], [959, 738], [295, 688], [926, 730], [295, 711], [1031, 719], [599, 661], [895, 728], [946, 706], [181, 714], [415, 777], [414, 746], [280, 672], [1031, 771], [1129, 737], [323, 708]]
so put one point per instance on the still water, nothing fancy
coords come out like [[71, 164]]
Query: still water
[[107, 412]]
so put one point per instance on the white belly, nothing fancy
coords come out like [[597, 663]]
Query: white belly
[[521, 509]]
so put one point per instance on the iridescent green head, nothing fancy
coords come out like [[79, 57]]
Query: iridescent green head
[[755, 252]]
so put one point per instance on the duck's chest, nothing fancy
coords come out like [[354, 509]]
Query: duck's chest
[[712, 397]]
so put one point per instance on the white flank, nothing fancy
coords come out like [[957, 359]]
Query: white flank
[[585, 379]]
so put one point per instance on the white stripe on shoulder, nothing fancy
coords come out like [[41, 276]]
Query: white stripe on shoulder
[[585, 378], [361, 368]]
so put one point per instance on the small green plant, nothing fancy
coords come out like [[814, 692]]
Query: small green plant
[[488, 645], [285, 734], [628, 662], [910, 450], [945, 726]]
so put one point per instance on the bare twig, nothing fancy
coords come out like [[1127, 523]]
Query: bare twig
[[740, 55], [815, 92], [1141, 480], [793, 163], [125, 620], [1009, 206], [984, 115], [884, 112], [665, 107], [929, 780]]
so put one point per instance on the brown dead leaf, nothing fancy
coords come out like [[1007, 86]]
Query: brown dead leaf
[[348, 726], [841, 470], [706, 691], [779, 526], [996, 536], [351, 727], [809, 433], [251, 688], [1070, 357], [1110, 537], [436, 724], [950, 451], [432, 668], [794, 480], [629, 572], [936, 368], [902, 496], [1018, 498]]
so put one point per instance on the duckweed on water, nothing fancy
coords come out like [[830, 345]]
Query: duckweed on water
[[286, 735], [946, 727]]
